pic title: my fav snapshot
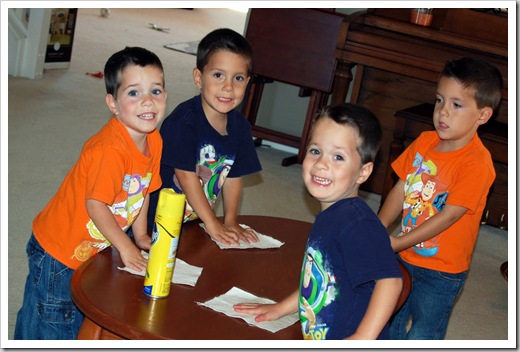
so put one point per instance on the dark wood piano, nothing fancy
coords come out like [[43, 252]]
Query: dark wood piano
[[397, 65]]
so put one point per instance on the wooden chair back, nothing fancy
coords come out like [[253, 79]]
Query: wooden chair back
[[297, 47]]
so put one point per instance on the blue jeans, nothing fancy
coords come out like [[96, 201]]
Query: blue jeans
[[48, 312], [429, 304]]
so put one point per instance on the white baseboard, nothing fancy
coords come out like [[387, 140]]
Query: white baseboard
[[280, 147]]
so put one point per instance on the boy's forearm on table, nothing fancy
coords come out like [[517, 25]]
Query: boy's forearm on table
[[289, 304], [139, 227], [195, 196], [106, 224], [231, 197]]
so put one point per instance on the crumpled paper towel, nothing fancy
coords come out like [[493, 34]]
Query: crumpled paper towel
[[183, 273], [264, 241], [224, 304]]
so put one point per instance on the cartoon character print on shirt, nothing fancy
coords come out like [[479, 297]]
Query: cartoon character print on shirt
[[126, 208], [317, 290], [212, 172], [425, 196]]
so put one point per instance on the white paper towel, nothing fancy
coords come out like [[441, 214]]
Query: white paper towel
[[264, 241], [224, 304], [183, 273]]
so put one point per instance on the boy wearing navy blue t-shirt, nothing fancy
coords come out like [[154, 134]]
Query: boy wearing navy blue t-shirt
[[207, 145], [350, 280]]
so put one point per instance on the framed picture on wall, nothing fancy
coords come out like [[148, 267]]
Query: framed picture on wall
[[61, 37]]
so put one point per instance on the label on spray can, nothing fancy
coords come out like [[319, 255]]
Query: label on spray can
[[165, 239]]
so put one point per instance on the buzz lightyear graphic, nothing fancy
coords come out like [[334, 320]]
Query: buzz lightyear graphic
[[317, 290], [425, 196], [219, 170], [126, 208], [212, 172]]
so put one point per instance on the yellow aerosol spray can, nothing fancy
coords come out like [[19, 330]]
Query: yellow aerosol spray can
[[165, 239]]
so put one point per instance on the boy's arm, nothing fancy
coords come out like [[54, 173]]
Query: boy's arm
[[106, 223], [393, 205], [139, 227], [231, 192], [191, 187], [268, 312], [380, 308], [430, 228]]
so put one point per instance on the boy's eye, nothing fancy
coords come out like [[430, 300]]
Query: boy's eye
[[457, 105], [314, 151], [338, 158], [157, 91], [133, 93], [217, 75], [240, 78]]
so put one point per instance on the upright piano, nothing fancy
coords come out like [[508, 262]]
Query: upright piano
[[397, 65]]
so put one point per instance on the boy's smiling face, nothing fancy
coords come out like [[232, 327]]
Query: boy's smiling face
[[332, 168], [222, 82], [141, 100]]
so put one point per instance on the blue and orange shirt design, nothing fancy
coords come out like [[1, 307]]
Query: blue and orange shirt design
[[425, 196]]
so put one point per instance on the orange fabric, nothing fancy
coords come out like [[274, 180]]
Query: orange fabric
[[461, 178], [110, 169]]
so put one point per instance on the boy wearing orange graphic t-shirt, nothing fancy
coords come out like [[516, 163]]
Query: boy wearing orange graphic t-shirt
[[444, 179], [103, 195]]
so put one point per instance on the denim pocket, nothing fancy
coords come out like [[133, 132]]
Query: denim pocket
[[56, 313], [59, 321]]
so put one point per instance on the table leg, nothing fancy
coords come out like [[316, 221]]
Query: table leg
[[503, 270], [89, 330]]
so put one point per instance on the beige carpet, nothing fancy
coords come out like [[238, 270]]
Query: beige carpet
[[50, 119]]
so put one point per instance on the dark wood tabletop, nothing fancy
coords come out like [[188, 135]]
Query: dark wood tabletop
[[113, 300]]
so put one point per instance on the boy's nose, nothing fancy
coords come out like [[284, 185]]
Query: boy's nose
[[320, 163], [442, 111], [228, 85], [147, 99]]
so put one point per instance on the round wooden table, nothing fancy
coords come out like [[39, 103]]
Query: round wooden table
[[116, 307]]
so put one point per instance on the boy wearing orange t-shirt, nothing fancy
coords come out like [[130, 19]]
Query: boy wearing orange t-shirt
[[103, 195], [444, 179]]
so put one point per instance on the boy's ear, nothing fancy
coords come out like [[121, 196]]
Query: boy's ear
[[197, 77], [484, 115], [365, 172], [112, 104]]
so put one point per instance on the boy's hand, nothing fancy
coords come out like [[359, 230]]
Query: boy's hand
[[247, 235], [220, 233], [262, 312], [133, 259]]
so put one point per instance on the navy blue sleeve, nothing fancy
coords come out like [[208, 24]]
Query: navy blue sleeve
[[370, 253]]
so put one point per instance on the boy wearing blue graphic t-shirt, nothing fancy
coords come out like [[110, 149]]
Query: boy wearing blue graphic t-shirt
[[350, 280], [207, 145]]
